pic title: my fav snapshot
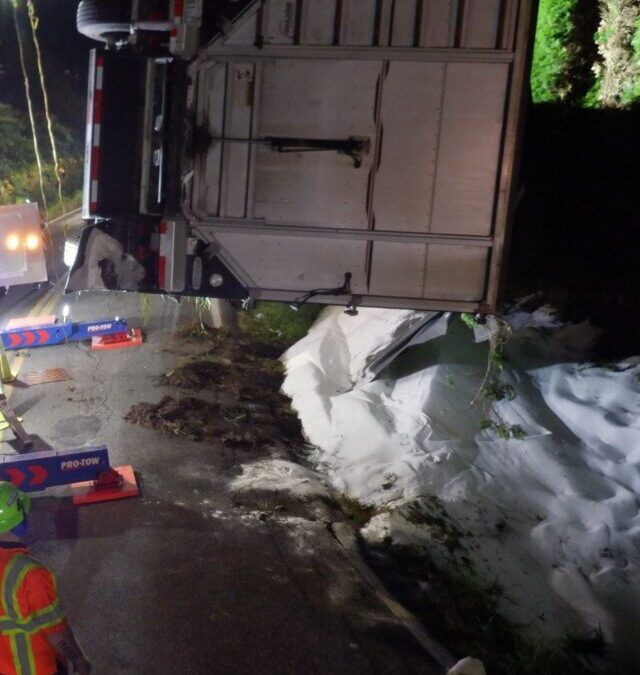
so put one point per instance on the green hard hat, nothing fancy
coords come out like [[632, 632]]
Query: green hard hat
[[14, 506]]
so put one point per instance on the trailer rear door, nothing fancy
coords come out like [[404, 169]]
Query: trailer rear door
[[369, 138]]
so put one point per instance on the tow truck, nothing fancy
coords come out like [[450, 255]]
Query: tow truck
[[356, 152]]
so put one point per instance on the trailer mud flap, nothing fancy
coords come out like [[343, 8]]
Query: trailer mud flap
[[102, 263], [127, 257]]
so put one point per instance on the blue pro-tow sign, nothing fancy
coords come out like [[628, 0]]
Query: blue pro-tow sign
[[40, 470], [59, 333]]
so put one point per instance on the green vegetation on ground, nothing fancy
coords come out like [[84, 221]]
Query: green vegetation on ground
[[270, 320], [587, 53], [468, 617]]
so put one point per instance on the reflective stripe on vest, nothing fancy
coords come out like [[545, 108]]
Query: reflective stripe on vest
[[22, 653], [13, 625]]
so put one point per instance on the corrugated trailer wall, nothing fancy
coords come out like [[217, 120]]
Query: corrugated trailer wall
[[435, 85], [472, 24]]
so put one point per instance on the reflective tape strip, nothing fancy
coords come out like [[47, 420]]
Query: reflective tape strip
[[8, 626], [23, 658], [164, 254], [95, 161], [99, 73], [16, 570], [95, 141], [48, 618], [97, 105], [17, 567], [14, 574], [162, 272], [94, 193]]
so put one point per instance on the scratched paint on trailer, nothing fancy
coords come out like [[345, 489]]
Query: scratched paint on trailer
[[40, 470]]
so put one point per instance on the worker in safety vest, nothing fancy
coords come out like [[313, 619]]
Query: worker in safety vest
[[34, 634]]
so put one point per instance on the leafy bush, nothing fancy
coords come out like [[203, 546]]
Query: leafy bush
[[587, 52], [19, 179], [16, 150], [618, 39], [551, 55]]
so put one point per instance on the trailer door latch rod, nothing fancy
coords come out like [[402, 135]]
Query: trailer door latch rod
[[354, 147]]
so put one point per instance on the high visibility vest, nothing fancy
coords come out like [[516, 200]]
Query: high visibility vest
[[29, 608]]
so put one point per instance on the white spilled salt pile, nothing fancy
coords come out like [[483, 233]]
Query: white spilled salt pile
[[281, 475], [554, 518]]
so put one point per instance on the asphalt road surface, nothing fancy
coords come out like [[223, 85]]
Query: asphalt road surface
[[187, 578]]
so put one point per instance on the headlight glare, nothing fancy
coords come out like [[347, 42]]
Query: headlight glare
[[12, 242], [32, 242]]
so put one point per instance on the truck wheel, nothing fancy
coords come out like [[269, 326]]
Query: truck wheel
[[104, 20]]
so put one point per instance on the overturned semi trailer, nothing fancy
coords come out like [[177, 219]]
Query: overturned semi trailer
[[353, 152]]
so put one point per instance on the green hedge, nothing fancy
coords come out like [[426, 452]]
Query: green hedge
[[551, 56]]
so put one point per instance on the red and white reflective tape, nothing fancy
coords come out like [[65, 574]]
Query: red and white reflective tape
[[177, 18], [165, 246], [95, 144]]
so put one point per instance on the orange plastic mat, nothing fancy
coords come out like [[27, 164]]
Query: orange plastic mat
[[86, 493], [131, 339], [45, 376]]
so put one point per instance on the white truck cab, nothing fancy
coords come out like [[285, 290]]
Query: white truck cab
[[22, 256]]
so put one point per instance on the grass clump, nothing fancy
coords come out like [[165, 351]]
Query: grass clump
[[466, 615], [199, 332], [276, 321], [432, 514]]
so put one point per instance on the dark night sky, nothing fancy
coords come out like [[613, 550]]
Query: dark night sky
[[65, 54]]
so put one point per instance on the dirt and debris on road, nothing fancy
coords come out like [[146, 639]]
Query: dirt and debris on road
[[196, 375], [239, 402], [188, 416]]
